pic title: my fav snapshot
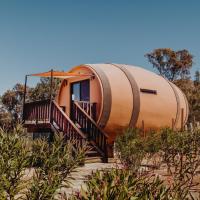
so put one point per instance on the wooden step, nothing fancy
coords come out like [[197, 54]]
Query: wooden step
[[97, 159], [92, 153]]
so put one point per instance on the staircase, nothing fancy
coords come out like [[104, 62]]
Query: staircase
[[46, 115]]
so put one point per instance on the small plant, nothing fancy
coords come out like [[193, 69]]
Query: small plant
[[130, 149], [181, 153], [122, 184], [53, 164], [13, 162]]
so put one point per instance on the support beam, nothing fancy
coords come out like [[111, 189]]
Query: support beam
[[24, 98], [51, 96], [51, 86]]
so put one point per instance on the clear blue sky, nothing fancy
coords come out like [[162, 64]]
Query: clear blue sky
[[38, 35]]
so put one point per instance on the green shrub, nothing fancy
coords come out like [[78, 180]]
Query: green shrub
[[13, 162], [122, 184], [53, 164], [130, 149], [180, 151]]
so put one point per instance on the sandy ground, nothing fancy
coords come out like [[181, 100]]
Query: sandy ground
[[80, 175]]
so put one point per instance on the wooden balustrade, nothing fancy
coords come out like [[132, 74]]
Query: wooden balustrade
[[50, 112], [89, 108], [89, 126], [66, 125], [36, 111]]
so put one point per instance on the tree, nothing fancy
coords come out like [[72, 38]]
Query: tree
[[12, 100], [171, 64], [197, 77], [5, 118], [191, 90], [42, 90]]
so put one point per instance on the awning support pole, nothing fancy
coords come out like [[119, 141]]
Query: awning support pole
[[24, 98], [51, 85], [51, 96]]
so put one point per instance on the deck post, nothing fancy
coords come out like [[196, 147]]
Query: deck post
[[173, 124], [51, 96], [24, 98], [143, 129], [51, 85], [182, 122]]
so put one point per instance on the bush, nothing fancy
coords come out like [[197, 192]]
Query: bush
[[180, 151], [13, 162], [122, 184], [130, 149], [53, 164]]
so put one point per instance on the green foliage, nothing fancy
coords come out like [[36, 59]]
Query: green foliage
[[13, 161], [132, 148], [5, 119], [12, 100], [42, 90], [179, 151], [122, 184], [51, 164], [192, 91], [171, 64], [12, 104], [54, 162]]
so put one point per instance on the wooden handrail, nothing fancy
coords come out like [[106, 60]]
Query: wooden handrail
[[92, 120], [47, 111], [88, 107], [50, 112], [55, 105], [36, 111], [91, 128], [37, 101]]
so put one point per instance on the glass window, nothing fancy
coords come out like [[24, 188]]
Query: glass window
[[76, 92], [85, 91]]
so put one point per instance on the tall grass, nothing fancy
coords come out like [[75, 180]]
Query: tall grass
[[141, 157], [51, 164]]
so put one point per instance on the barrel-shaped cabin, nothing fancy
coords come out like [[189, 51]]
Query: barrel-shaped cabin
[[117, 96]]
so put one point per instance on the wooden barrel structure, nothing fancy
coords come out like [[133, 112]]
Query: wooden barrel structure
[[128, 96]]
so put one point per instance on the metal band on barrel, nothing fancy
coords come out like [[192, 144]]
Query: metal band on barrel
[[136, 95], [107, 98]]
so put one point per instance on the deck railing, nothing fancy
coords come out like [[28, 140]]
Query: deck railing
[[89, 108], [66, 125], [47, 111], [89, 126], [37, 111], [50, 112]]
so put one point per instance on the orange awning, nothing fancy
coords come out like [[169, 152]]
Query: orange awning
[[61, 75]]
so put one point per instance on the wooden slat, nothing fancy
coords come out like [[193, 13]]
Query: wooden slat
[[39, 111], [89, 126]]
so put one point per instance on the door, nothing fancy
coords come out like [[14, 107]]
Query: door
[[80, 91]]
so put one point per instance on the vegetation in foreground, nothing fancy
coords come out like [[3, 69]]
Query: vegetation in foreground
[[137, 178], [50, 164], [142, 159]]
